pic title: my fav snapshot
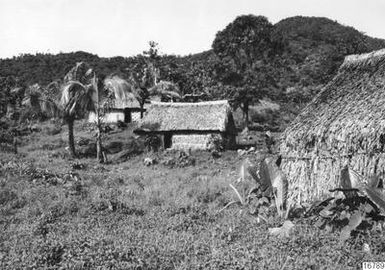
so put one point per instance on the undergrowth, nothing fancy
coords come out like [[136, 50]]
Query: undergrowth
[[64, 214]]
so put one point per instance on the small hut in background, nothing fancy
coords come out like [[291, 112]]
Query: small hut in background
[[343, 125], [120, 101], [124, 110], [190, 125]]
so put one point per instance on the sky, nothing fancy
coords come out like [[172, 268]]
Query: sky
[[124, 27]]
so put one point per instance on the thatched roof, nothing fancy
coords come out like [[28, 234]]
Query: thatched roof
[[123, 92], [343, 125], [129, 101], [347, 116], [201, 116]]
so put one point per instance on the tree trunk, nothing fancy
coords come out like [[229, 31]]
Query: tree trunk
[[141, 110], [15, 144], [246, 111], [71, 141], [100, 156]]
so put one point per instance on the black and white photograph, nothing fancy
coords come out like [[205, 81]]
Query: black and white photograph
[[192, 134]]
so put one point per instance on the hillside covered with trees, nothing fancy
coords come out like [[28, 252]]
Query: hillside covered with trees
[[287, 62]]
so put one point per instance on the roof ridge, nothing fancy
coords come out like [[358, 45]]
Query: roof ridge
[[203, 103], [364, 59]]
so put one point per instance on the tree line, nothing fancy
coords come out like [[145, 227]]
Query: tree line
[[250, 58]]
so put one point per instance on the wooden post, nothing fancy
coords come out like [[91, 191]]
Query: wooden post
[[99, 154], [15, 144]]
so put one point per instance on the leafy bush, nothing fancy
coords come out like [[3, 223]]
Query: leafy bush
[[152, 142], [53, 130], [6, 196], [53, 145], [267, 117], [179, 159], [216, 143], [356, 214]]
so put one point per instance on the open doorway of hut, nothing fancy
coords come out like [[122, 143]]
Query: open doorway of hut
[[167, 140], [127, 115]]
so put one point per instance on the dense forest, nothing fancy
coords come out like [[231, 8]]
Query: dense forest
[[250, 59]]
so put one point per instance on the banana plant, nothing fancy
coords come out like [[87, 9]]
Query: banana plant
[[244, 193], [273, 180], [269, 180], [353, 183], [360, 210]]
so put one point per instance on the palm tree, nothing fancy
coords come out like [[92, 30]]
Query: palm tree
[[78, 95], [82, 94], [14, 101], [41, 104], [76, 100]]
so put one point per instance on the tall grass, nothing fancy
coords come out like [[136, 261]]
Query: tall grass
[[129, 216]]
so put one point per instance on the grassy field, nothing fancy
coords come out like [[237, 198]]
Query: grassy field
[[59, 213]]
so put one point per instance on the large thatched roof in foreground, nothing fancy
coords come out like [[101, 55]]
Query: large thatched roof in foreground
[[348, 115], [201, 116], [343, 125]]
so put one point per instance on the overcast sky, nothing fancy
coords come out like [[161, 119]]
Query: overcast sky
[[124, 27]]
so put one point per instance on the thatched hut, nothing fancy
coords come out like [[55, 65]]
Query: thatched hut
[[190, 125], [125, 110], [343, 125], [121, 100]]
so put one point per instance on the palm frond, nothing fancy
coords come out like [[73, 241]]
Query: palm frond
[[36, 99], [272, 177], [77, 99], [376, 196], [53, 89], [240, 198], [81, 72], [31, 97], [350, 179], [50, 107], [121, 89], [68, 91], [17, 91]]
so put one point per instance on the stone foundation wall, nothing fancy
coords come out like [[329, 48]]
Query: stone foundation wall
[[112, 117], [193, 141]]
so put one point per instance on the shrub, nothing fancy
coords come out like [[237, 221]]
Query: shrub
[[53, 145], [152, 142], [180, 159], [216, 143], [53, 130], [6, 196], [266, 116]]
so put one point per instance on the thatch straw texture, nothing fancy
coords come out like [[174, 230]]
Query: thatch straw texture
[[123, 92], [110, 117], [343, 125], [201, 116], [128, 102]]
